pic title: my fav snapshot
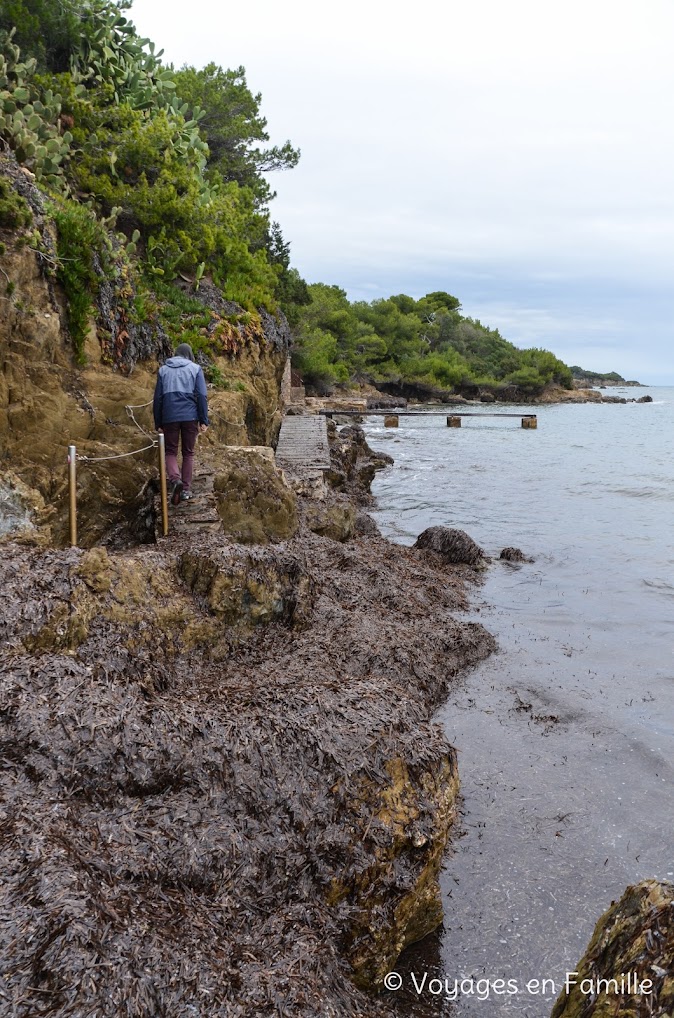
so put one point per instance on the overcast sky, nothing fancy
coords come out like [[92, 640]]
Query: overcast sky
[[518, 154]]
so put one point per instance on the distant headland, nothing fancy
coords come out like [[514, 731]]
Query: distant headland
[[583, 379]]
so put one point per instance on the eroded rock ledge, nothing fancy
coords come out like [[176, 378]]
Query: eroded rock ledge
[[628, 968], [222, 791]]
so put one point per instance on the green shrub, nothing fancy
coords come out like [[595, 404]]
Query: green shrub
[[315, 357], [216, 378], [15, 212], [79, 237]]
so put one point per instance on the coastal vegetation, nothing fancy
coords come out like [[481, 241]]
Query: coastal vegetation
[[157, 177], [400, 338], [154, 175], [599, 377]]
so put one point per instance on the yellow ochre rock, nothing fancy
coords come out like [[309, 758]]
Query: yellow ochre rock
[[253, 501], [628, 968]]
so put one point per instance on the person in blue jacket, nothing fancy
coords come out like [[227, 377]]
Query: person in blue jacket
[[180, 412]]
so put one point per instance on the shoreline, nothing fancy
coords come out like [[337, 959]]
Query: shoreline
[[370, 398], [282, 736], [275, 780], [561, 767]]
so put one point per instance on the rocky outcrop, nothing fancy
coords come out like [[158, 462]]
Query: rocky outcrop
[[23, 513], [336, 520], [586, 382], [514, 555], [628, 969], [383, 401], [221, 772], [556, 394], [50, 399], [453, 546], [353, 463], [253, 501]]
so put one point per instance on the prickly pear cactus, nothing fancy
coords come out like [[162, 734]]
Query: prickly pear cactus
[[28, 124]]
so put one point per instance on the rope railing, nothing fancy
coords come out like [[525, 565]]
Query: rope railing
[[73, 458], [117, 456], [130, 413], [156, 443]]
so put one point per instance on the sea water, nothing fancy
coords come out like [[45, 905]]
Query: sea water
[[566, 735]]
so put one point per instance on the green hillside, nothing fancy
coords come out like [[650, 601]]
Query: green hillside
[[151, 172], [156, 178], [427, 341]]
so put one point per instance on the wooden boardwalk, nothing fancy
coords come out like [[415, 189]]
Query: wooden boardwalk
[[303, 445], [445, 412]]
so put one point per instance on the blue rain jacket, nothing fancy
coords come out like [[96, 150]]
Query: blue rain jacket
[[180, 393]]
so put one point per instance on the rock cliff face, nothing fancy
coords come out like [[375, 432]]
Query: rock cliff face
[[49, 400]]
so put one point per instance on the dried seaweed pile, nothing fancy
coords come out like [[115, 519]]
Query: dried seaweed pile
[[194, 817]]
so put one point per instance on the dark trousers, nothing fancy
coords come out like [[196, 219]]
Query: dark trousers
[[186, 432]]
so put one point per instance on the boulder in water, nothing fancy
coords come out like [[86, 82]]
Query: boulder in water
[[628, 969], [455, 546], [366, 526], [514, 555]]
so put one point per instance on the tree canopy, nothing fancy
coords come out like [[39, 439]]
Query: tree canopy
[[175, 160], [400, 338], [232, 125], [169, 168]]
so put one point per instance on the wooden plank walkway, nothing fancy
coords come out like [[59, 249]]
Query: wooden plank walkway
[[418, 413], [303, 444]]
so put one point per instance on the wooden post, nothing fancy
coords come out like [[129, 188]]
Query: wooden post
[[161, 448], [530, 422], [391, 421], [453, 422], [72, 493]]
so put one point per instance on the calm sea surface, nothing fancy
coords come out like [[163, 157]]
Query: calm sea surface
[[566, 735]]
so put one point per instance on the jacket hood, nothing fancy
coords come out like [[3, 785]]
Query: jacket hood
[[177, 362]]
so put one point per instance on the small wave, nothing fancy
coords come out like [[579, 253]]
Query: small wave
[[660, 586], [658, 493]]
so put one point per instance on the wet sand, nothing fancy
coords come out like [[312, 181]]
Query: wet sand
[[565, 737], [567, 800]]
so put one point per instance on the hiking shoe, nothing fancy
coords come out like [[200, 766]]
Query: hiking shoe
[[186, 496], [175, 491]]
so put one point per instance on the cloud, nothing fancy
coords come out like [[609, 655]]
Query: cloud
[[523, 152]]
